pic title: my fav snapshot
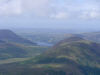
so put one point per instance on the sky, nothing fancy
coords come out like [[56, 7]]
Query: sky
[[50, 13]]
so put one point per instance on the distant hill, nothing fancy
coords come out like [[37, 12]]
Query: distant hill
[[72, 56], [10, 36], [93, 36]]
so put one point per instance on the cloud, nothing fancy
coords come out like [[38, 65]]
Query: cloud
[[37, 7], [16, 7], [12, 7], [54, 9], [90, 15], [94, 13], [60, 15]]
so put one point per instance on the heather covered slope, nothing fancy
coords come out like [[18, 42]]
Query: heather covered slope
[[10, 36]]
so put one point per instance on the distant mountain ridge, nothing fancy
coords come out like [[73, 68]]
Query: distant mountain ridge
[[10, 36]]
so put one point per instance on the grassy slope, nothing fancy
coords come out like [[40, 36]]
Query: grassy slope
[[11, 50], [12, 60], [83, 52]]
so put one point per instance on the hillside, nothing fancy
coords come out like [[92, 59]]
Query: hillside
[[93, 36], [10, 36], [72, 56], [81, 51], [12, 50]]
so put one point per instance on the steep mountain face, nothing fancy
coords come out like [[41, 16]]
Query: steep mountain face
[[9, 36], [72, 56]]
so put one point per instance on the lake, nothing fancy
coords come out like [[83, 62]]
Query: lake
[[44, 44]]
